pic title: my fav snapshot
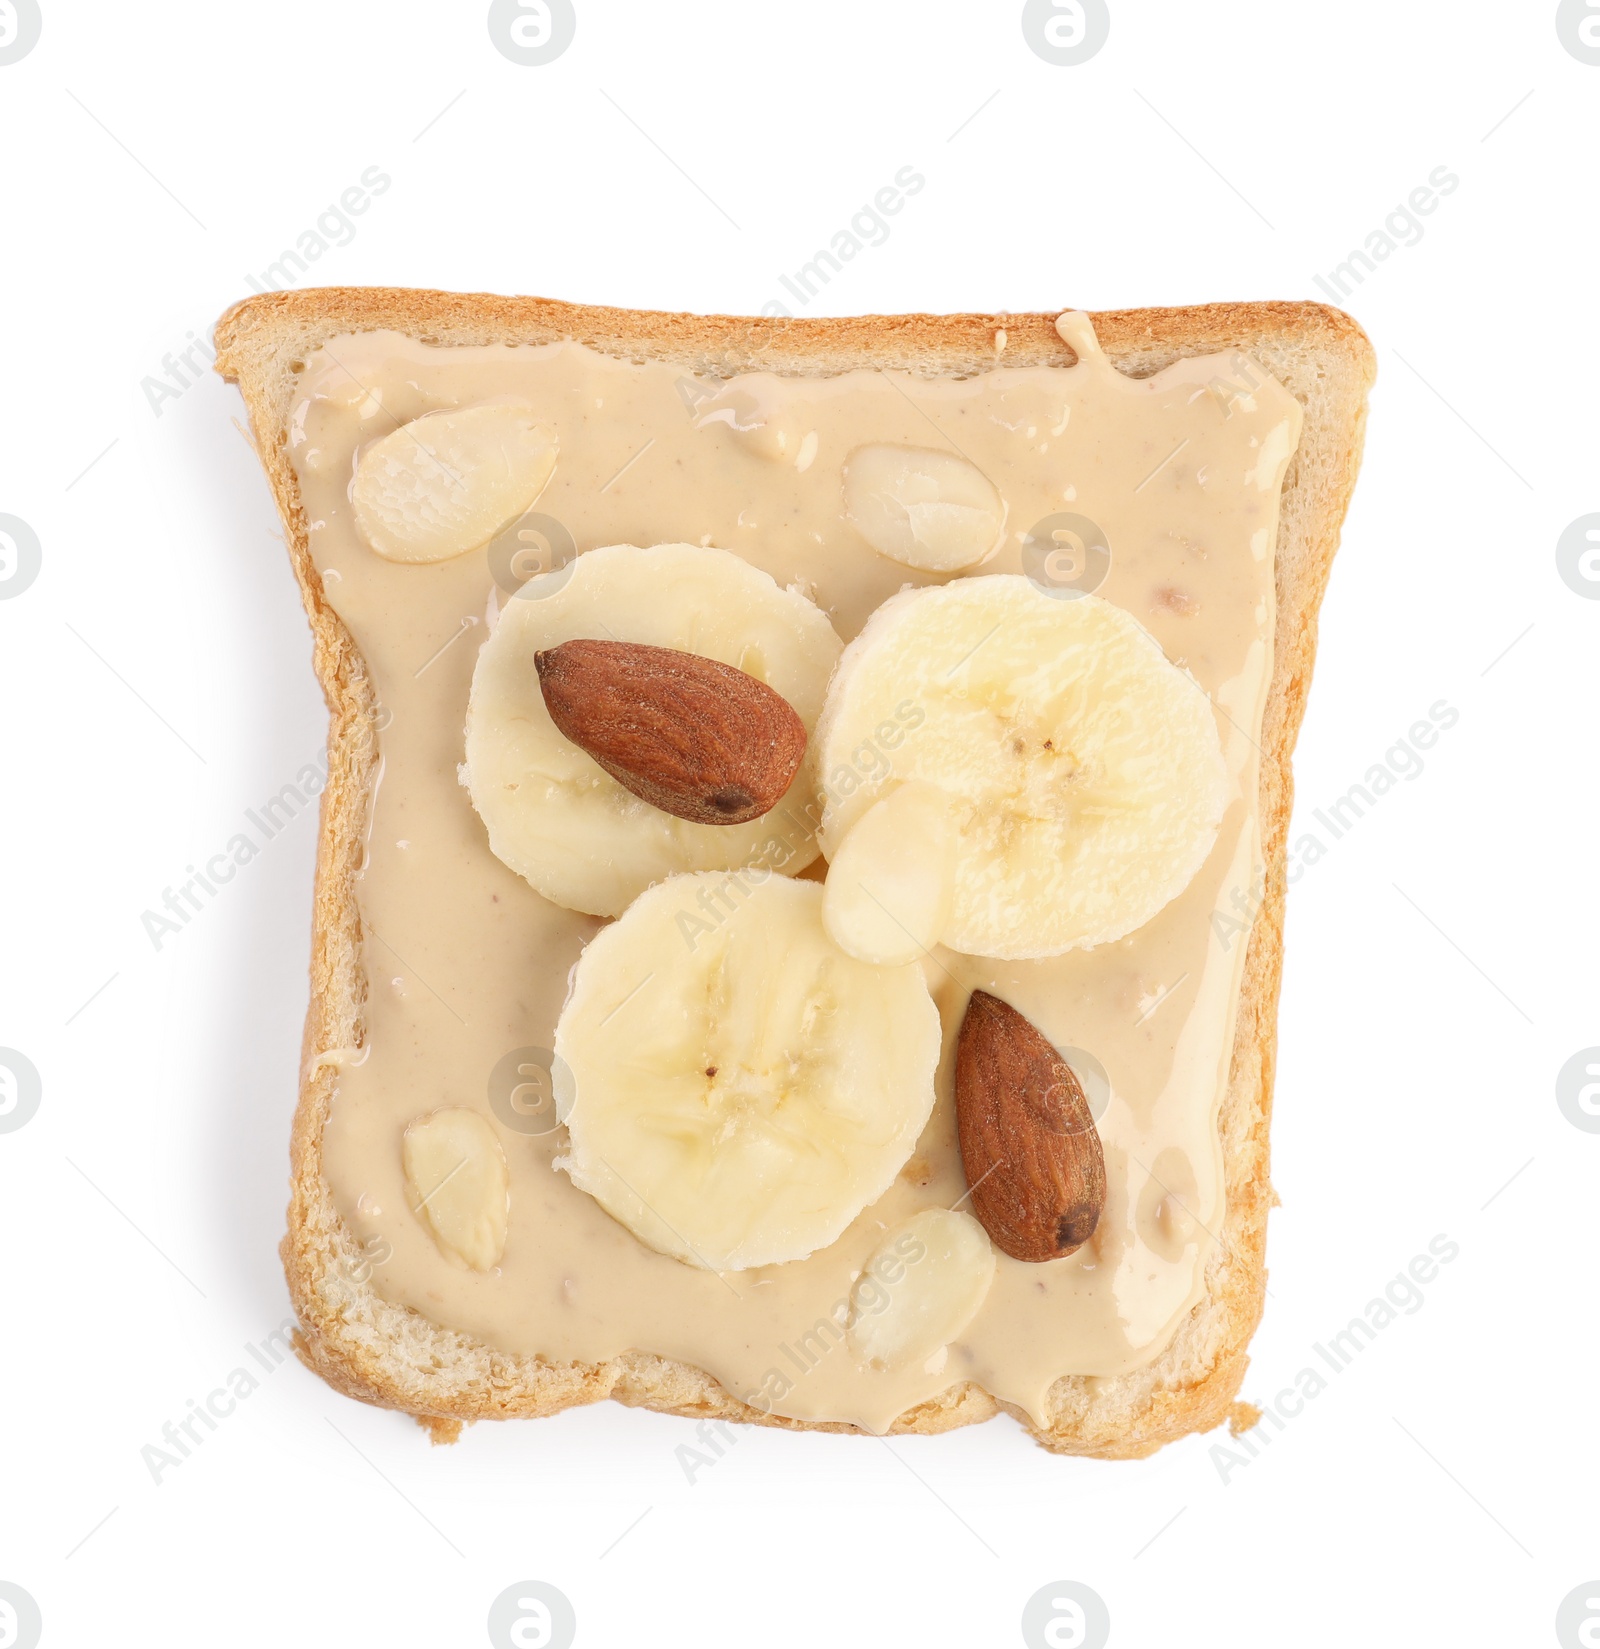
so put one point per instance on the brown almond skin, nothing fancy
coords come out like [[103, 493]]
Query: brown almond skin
[[698, 739], [1028, 1141]]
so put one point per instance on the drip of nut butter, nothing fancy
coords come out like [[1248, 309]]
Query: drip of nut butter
[[1177, 476]]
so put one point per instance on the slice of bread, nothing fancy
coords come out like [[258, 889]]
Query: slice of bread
[[389, 1355]]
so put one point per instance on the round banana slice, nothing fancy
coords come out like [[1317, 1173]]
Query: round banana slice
[[1083, 769], [553, 814], [743, 1089], [448, 481]]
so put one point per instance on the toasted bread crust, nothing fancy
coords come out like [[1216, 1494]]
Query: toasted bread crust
[[388, 1355]]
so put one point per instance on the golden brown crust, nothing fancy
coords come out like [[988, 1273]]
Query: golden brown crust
[[388, 1355]]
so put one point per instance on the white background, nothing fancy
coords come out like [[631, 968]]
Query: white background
[[156, 679]]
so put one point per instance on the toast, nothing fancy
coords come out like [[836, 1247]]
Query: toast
[[389, 1355]]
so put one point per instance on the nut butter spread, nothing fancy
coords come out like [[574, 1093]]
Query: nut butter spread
[[1176, 476]]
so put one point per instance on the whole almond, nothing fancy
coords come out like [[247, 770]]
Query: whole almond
[[1028, 1140], [698, 739]]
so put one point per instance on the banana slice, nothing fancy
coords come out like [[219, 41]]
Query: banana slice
[[743, 1088], [1083, 768], [553, 814], [460, 1185], [920, 1289], [923, 508], [891, 884], [447, 482]]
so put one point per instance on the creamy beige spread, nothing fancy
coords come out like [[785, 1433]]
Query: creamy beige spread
[[466, 963]]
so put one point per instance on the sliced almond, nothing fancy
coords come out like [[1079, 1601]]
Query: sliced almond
[[922, 1286], [448, 481], [459, 1184], [922, 507], [694, 737], [1028, 1142], [888, 893]]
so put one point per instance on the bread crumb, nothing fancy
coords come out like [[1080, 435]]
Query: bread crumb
[[1243, 1417], [440, 1430], [918, 1171]]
